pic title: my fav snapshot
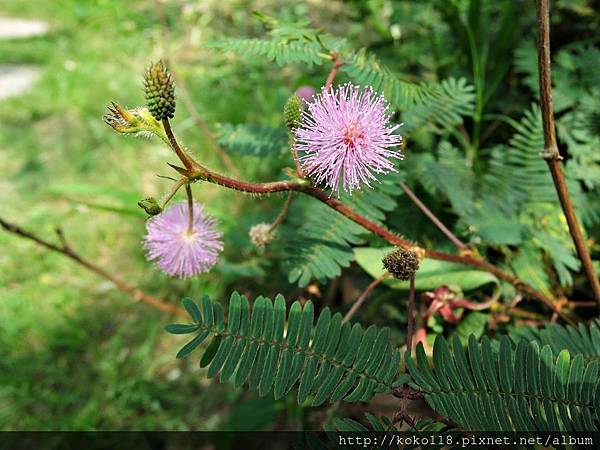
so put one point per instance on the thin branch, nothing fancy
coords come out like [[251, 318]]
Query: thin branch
[[281, 216], [61, 237], [294, 153], [410, 325], [183, 156], [437, 222], [364, 296], [190, 202], [551, 153], [174, 190], [201, 173], [334, 71], [67, 251]]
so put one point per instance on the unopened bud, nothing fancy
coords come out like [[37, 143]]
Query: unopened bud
[[402, 264], [150, 205], [261, 235], [159, 89], [136, 121], [292, 112]]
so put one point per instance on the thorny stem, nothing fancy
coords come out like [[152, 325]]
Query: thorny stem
[[364, 296], [283, 213], [183, 156], [551, 153], [437, 222], [190, 202], [67, 251], [201, 173], [410, 324]]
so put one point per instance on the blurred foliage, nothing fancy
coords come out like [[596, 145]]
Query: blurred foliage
[[461, 75]]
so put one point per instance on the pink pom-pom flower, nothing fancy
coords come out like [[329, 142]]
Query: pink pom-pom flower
[[180, 251], [346, 138]]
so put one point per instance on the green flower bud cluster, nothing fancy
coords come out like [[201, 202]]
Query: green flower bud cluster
[[292, 112], [159, 89]]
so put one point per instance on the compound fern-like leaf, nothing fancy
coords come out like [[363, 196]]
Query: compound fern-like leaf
[[506, 389], [326, 360]]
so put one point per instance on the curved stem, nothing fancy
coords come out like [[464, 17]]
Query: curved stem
[[201, 173], [183, 156], [551, 153], [334, 71], [364, 296], [283, 213], [437, 222]]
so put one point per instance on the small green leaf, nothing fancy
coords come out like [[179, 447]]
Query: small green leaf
[[191, 346], [211, 351], [180, 328], [192, 309]]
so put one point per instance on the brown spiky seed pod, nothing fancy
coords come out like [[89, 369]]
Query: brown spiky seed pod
[[159, 89], [402, 264]]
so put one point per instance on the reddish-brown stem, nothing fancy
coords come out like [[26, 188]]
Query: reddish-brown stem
[[281, 216], [201, 173], [181, 154], [333, 73], [67, 251], [410, 313], [437, 222], [190, 203], [551, 153], [364, 296]]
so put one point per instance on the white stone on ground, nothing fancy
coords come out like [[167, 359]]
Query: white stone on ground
[[12, 28], [16, 79]]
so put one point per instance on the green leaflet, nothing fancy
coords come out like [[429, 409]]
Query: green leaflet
[[260, 141], [326, 359], [431, 274]]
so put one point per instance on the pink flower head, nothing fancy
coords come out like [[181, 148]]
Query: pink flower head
[[178, 251], [306, 93], [346, 138]]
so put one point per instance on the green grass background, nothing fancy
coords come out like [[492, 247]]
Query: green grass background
[[76, 353]]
